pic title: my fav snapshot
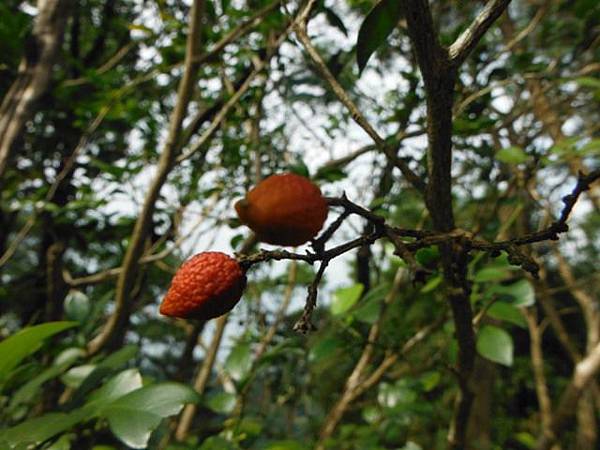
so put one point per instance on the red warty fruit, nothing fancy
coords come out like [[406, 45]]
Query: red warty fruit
[[206, 286]]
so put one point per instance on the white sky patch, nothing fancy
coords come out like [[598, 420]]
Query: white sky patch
[[502, 101]]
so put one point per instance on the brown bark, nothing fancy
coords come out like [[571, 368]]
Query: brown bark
[[480, 420], [35, 72]]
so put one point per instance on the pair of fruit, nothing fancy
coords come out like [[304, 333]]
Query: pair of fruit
[[284, 209]]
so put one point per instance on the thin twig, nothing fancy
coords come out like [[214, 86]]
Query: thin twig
[[304, 324], [67, 167], [342, 95], [232, 102]]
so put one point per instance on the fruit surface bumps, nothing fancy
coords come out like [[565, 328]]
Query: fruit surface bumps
[[206, 286], [284, 209]]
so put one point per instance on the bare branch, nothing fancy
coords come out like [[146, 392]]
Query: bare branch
[[537, 362], [233, 100], [187, 416], [541, 12], [239, 31], [357, 116], [108, 65], [304, 324], [167, 158], [584, 183], [469, 38]]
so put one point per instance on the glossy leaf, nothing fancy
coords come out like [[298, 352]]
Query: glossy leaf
[[77, 306], [495, 344], [521, 292], [134, 416], [491, 274], [239, 361], [335, 20], [104, 368], [508, 313], [27, 341], [222, 402], [126, 381], [42, 428], [345, 298], [28, 391], [375, 29]]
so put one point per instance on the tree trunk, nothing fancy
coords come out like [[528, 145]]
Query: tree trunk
[[35, 70]]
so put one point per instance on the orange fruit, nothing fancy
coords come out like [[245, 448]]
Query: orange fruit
[[206, 286], [284, 209]]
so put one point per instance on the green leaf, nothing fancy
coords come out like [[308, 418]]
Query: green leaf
[[324, 348], [521, 291], [375, 29], [62, 443], [239, 361], [334, 20], [300, 168], [371, 414], [77, 305], [345, 298], [251, 426], [222, 402], [368, 312], [592, 147], [565, 146], [17, 347], [508, 313], [370, 306], [432, 284], [26, 392], [428, 255], [330, 174], [491, 274], [134, 416], [70, 354], [126, 381], [588, 82], [104, 368], [75, 376], [42, 428], [495, 344], [429, 380], [512, 155], [526, 439]]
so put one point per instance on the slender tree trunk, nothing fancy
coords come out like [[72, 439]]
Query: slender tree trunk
[[35, 72], [480, 420]]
